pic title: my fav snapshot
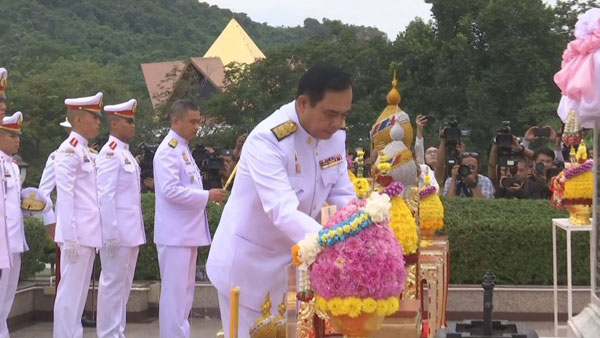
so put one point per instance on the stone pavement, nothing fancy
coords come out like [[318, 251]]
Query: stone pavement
[[201, 328]]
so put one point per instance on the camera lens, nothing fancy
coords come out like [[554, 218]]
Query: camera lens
[[464, 170], [540, 167]]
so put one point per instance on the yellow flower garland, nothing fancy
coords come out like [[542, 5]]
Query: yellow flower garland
[[404, 226], [431, 212], [361, 187], [580, 186], [354, 306]]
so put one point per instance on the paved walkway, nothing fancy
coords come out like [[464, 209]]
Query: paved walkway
[[201, 328]]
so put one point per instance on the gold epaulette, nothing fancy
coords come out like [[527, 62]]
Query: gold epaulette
[[284, 130], [173, 143]]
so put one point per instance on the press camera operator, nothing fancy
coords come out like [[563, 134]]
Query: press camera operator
[[519, 182], [547, 133], [504, 150], [465, 180], [449, 150]]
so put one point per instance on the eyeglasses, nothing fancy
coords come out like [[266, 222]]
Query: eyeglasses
[[469, 154]]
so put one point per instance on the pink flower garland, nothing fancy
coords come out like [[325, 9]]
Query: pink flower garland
[[393, 189], [587, 166], [370, 264], [430, 190]]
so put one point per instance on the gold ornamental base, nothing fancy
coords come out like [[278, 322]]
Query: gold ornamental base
[[579, 214], [362, 326], [427, 236]]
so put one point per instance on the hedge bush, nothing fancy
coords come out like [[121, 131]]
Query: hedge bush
[[511, 237]]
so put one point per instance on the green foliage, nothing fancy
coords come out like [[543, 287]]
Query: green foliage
[[511, 237], [37, 239]]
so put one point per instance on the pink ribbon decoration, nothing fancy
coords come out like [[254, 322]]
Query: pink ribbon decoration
[[575, 79]]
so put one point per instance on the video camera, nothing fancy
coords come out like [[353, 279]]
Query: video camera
[[210, 164], [452, 135], [504, 140], [146, 153], [557, 167]]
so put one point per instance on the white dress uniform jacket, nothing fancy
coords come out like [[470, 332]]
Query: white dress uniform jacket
[[280, 187], [119, 194], [16, 239], [14, 219], [5, 261], [180, 218], [47, 184], [77, 207]]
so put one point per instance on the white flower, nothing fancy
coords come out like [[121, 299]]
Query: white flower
[[378, 207], [308, 249]]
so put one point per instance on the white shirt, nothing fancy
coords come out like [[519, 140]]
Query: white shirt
[[279, 189], [180, 217], [5, 256], [119, 194], [14, 219], [77, 207], [47, 184]]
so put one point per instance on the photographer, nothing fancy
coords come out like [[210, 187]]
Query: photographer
[[449, 150], [545, 132], [545, 167], [516, 150], [520, 184], [228, 165], [465, 180]]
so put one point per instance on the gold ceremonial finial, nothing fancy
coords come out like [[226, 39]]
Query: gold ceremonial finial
[[581, 152], [264, 327], [573, 155], [393, 97], [280, 319]]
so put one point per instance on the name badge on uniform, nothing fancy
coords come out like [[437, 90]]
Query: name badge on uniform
[[127, 161], [85, 158], [331, 161]]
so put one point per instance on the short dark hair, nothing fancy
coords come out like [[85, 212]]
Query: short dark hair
[[181, 107], [320, 78], [543, 151]]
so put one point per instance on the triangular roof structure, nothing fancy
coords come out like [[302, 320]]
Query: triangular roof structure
[[161, 77], [234, 45]]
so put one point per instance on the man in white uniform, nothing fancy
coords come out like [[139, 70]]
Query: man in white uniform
[[10, 135], [78, 230], [122, 222], [47, 184], [180, 223], [291, 163], [5, 261]]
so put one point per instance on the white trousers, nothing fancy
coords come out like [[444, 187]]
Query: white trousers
[[113, 291], [247, 316], [8, 288], [178, 279], [72, 293]]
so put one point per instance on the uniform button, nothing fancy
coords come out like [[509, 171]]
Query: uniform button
[[317, 152], [309, 140], [315, 207]]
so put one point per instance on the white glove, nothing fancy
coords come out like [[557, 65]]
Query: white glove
[[112, 246], [71, 250]]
